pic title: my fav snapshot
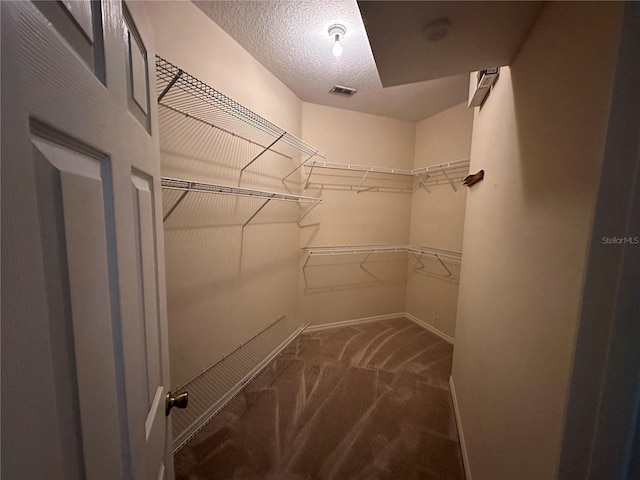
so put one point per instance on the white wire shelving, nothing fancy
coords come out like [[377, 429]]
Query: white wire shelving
[[417, 251], [183, 93], [189, 186], [425, 177]]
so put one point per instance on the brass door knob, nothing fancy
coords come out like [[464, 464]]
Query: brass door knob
[[181, 400]]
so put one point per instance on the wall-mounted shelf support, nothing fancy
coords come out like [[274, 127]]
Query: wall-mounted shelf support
[[450, 181], [256, 213], [300, 166], [170, 84], [175, 205], [364, 177], [306, 184], [308, 211], [260, 154], [422, 265], [421, 179], [187, 186]]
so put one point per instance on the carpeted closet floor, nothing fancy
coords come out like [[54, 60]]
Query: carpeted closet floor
[[364, 402]]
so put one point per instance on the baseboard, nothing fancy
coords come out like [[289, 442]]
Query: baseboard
[[346, 323], [463, 444], [431, 328], [194, 427], [376, 318]]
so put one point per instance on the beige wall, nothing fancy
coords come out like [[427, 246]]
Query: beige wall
[[337, 288], [539, 138], [223, 285], [437, 218]]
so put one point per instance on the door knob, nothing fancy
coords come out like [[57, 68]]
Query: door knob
[[181, 400]]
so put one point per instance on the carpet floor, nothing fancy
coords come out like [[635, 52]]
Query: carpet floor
[[363, 402]]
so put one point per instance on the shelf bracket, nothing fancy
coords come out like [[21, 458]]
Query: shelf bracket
[[443, 265], [256, 213], [308, 211], [262, 152], [306, 184], [421, 182], [422, 266], [368, 272], [174, 206], [306, 261], [450, 181], [170, 84], [417, 257], [301, 165], [364, 177]]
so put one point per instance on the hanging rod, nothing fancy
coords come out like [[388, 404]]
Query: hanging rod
[[187, 186], [183, 92]]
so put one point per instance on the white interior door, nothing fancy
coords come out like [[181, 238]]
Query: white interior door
[[84, 333]]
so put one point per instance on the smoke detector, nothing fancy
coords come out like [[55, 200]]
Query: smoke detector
[[437, 30]]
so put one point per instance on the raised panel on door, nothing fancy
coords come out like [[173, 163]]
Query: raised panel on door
[[75, 214], [155, 391]]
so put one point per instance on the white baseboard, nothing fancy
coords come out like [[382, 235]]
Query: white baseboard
[[431, 328], [376, 318], [463, 444], [356, 321]]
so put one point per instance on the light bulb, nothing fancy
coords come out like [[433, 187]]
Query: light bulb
[[336, 32], [337, 48]]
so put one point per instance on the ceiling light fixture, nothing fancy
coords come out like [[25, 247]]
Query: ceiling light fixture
[[336, 32]]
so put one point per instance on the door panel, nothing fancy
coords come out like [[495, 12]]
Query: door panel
[[91, 288], [79, 23], [156, 391], [84, 336]]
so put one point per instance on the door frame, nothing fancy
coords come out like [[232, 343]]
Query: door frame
[[602, 424]]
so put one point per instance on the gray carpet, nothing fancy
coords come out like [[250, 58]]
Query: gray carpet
[[366, 402]]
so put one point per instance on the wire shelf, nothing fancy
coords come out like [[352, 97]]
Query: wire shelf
[[188, 186], [442, 174], [440, 255], [368, 249], [185, 94]]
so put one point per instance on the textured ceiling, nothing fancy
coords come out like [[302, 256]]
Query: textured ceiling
[[290, 39], [481, 35]]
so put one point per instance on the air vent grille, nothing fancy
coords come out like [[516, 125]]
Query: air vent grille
[[340, 90]]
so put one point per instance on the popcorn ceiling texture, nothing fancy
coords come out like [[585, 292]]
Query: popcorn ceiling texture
[[290, 38]]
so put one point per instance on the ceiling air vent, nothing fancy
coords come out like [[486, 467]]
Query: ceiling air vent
[[340, 90]]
